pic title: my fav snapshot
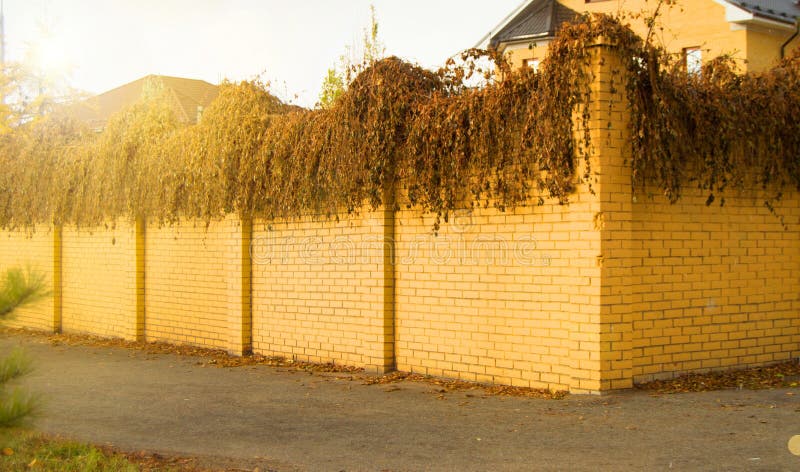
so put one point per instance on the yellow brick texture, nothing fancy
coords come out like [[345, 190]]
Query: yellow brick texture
[[689, 287], [713, 287], [612, 183], [32, 248], [185, 284], [502, 297], [99, 280], [319, 290]]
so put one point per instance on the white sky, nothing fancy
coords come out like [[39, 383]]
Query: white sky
[[106, 43]]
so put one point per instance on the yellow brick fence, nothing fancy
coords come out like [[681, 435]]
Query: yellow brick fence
[[585, 297]]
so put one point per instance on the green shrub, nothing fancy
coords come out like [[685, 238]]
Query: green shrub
[[20, 287], [16, 407], [17, 288]]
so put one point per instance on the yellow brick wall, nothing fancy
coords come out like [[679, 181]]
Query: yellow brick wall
[[507, 298], [611, 173], [99, 280], [536, 321], [185, 285], [713, 287], [688, 287], [31, 249], [319, 291]]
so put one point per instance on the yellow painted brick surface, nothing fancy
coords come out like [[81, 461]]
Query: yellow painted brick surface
[[689, 287], [318, 290], [185, 285], [500, 297], [34, 249], [716, 287], [99, 280]]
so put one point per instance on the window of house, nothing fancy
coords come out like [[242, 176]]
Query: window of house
[[693, 59], [532, 63]]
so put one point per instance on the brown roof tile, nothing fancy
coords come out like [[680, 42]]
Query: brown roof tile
[[189, 94], [541, 18]]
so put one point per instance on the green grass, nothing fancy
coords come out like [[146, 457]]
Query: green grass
[[31, 451], [20, 287], [16, 405]]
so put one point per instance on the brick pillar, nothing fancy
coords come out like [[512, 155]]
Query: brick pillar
[[140, 231], [389, 265], [238, 275], [378, 337], [611, 149], [58, 297]]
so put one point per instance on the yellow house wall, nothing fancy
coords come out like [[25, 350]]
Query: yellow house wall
[[763, 49], [698, 23], [321, 290], [517, 54], [688, 24], [713, 287], [99, 280], [31, 249], [185, 284]]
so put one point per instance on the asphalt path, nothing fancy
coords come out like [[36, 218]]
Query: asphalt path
[[276, 419]]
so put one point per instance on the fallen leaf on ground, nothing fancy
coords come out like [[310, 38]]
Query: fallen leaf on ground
[[221, 359], [773, 376], [448, 385]]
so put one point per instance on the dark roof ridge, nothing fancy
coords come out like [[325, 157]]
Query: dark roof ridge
[[539, 18], [785, 11]]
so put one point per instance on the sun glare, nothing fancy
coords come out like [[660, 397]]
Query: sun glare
[[51, 56]]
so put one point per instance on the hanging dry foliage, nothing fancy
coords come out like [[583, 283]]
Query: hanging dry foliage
[[448, 145], [717, 129]]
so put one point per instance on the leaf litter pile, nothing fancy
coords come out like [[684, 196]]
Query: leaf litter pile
[[154, 462], [450, 385], [210, 357], [784, 375], [147, 461]]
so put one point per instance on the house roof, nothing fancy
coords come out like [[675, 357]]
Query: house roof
[[539, 18], [785, 11], [188, 94]]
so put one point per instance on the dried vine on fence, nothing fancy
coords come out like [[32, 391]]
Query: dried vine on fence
[[448, 145]]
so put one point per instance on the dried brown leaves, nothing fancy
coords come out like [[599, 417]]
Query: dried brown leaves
[[448, 145], [451, 385], [786, 374], [717, 129]]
